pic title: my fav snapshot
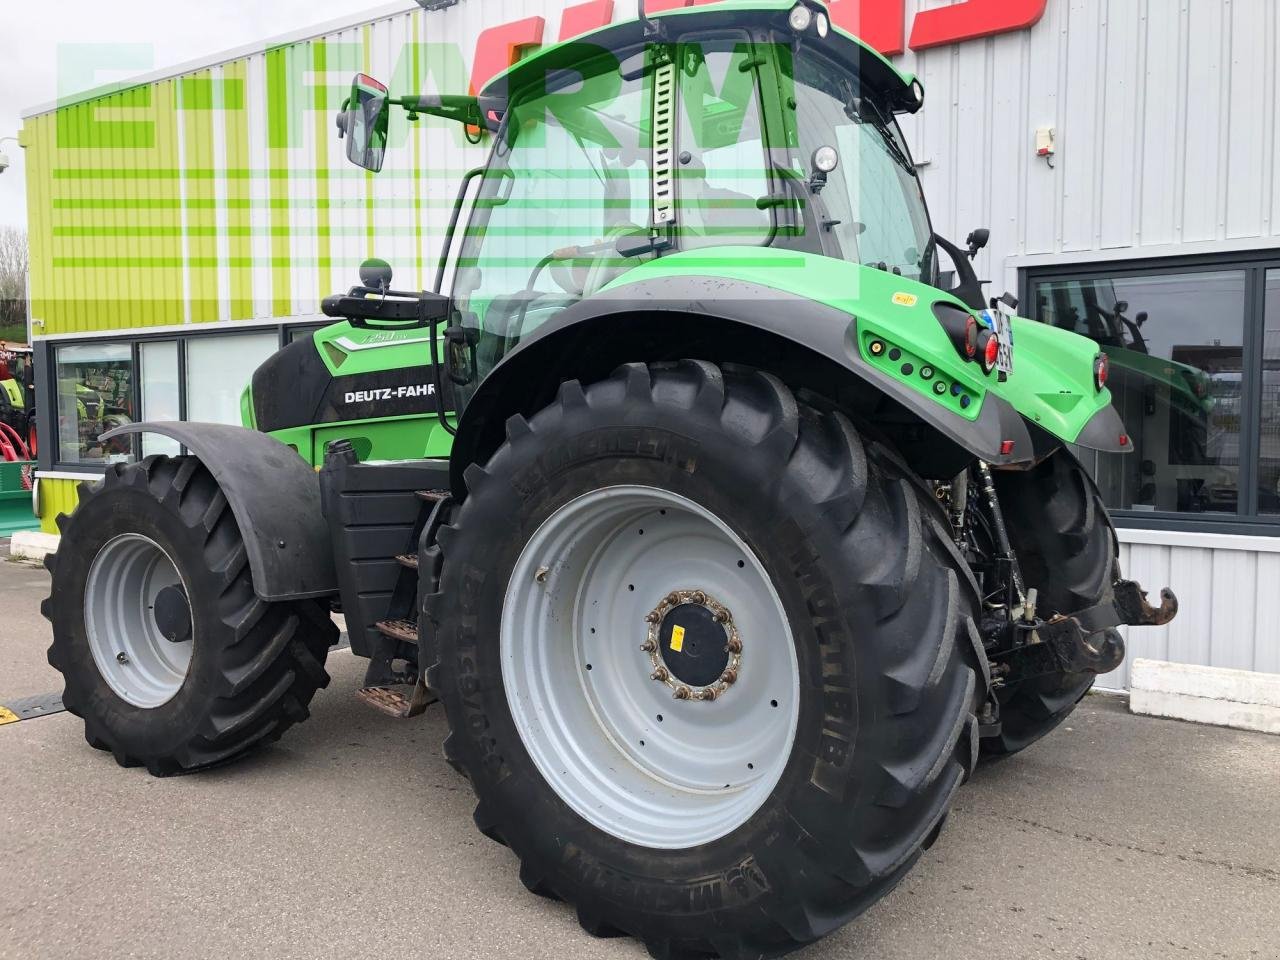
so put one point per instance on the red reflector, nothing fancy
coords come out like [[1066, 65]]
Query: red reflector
[[1006, 448], [1124, 439], [1101, 371], [971, 338]]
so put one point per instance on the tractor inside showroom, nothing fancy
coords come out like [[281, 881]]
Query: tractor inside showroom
[[728, 532], [17, 403]]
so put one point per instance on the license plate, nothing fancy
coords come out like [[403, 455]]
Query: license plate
[[1001, 321]]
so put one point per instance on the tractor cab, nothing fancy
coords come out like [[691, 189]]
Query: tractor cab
[[671, 137]]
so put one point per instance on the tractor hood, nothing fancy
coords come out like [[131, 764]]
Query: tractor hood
[[898, 335]]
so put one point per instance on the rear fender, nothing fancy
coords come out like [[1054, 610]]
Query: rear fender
[[624, 315], [275, 497]]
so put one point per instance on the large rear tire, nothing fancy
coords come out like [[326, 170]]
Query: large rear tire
[[169, 656], [760, 820], [1066, 547]]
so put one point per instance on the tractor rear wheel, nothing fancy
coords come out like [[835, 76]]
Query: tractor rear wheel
[[708, 660], [169, 656], [1065, 545]]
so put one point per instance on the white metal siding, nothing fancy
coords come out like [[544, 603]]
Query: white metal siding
[[1229, 594], [1165, 118]]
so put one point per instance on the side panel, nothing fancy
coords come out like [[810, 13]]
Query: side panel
[[374, 515]]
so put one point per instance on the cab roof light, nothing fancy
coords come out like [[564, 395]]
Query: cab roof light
[[800, 18]]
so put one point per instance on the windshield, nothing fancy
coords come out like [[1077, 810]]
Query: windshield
[[874, 193]]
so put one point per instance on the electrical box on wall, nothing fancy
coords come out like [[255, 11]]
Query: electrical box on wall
[[1046, 144]]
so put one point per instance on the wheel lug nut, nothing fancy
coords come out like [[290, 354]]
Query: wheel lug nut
[[652, 617], [729, 677], [698, 597], [673, 599], [722, 616], [649, 646], [682, 693], [734, 645], [661, 674]]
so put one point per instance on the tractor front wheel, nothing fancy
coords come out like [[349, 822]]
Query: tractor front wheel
[[169, 656], [708, 660]]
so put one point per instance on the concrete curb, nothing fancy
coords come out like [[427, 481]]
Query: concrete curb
[[1239, 699], [32, 545]]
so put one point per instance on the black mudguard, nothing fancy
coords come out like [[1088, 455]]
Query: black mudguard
[[807, 325], [275, 497]]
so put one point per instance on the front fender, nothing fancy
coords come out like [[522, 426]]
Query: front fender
[[275, 497]]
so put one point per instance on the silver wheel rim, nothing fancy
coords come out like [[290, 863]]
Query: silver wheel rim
[[138, 662], [579, 684]]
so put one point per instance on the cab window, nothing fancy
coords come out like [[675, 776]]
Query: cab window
[[721, 169]]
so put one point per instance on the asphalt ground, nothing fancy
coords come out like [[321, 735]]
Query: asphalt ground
[[1119, 837]]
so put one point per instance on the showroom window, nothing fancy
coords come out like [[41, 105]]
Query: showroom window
[[161, 392], [98, 385], [94, 393], [1269, 447], [218, 370], [1195, 374]]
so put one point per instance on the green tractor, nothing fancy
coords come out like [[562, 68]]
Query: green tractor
[[727, 537]]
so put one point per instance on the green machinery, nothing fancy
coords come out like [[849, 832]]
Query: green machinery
[[728, 535], [17, 403]]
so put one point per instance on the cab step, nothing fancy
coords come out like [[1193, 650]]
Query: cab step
[[405, 630], [401, 701], [408, 560]]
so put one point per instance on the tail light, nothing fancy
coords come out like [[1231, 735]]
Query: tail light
[[989, 349], [961, 327], [1101, 371]]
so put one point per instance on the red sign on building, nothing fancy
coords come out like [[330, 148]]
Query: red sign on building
[[880, 23]]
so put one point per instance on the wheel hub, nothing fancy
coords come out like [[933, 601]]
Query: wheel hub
[[172, 613], [693, 645], [138, 620]]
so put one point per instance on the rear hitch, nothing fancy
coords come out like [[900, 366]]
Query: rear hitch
[[1083, 642], [1132, 606]]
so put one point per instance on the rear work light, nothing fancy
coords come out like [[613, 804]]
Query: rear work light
[[1101, 371]]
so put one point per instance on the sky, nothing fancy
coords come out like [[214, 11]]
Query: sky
[[176, 31]]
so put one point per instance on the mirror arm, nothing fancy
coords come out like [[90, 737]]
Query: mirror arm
[[460, 109]]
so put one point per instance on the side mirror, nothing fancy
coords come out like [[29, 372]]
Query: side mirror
[[376, 275], [1142, 318], [364, 120], [977, 241]]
